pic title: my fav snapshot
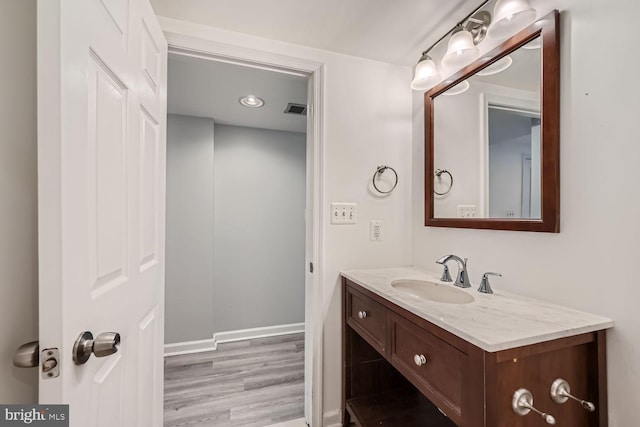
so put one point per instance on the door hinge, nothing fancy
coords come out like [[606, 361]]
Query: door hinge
[[50, 363], [310, 267]]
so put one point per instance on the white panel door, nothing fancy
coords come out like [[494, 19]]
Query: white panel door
[[310, 260], [101, 165]]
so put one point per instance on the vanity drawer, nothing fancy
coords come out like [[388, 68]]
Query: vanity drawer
[[431, 364], [368, 318]]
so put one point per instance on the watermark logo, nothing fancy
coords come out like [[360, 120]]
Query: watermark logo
[[34, 415]]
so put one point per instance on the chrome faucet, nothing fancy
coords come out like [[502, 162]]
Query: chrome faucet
[[462, 278], [485, 286]]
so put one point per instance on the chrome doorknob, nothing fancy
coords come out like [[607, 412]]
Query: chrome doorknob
[[103, 345], [106, 344], [362, 314], [27, 355]]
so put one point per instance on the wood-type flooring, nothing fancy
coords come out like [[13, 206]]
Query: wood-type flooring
[[252, 383]]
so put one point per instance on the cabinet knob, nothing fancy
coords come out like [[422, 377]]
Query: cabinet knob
[[419, 359], [362, 314], [522, 404]]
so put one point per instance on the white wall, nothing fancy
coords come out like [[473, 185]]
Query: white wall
[[590, 264], [260, 178], [235, 228], [18, 199], [367, 122], [459, 150], [189, 239]]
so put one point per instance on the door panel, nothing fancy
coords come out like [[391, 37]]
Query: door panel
[[106, 178], [150, 140], [101, 167], [150, 59], [107, 382], [118, 11], [149, 374]]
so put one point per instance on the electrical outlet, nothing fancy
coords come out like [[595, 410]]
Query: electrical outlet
[[343, 213], [375, 230], [466, 211]]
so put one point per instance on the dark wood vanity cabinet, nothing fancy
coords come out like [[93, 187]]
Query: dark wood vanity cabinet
[[401, 370]]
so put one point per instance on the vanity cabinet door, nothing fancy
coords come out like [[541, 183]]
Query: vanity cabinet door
[[368, 318], [431, 364]]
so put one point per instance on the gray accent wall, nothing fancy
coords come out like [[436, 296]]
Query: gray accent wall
[[235, 228], [19, 203], [259, 227], [189, 241]]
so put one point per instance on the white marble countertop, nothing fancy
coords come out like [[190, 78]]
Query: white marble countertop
[[494, 322]]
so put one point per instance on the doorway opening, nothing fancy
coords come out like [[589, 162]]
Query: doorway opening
[[514, 183], [239, 243]]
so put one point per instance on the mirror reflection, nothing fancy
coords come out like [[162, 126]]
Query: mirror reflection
[[487, 143]]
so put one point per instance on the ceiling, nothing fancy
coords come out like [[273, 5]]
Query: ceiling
[[384, 30], [205, 88], [390, 31]]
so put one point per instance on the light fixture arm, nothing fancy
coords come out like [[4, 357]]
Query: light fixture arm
[[459, 24]]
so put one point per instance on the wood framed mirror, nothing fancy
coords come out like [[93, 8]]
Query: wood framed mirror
[[492, 138]]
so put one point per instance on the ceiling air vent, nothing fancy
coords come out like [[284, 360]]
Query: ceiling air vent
[[299, 109]]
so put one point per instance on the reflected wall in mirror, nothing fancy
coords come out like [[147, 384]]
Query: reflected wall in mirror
[[492, 154], [494, 129]]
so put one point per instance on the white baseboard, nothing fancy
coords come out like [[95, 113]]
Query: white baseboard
[[247, 334], [200, 346], [331, 419], [189, 347]]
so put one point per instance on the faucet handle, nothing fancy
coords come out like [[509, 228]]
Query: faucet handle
[[485, 286], [446, 276]]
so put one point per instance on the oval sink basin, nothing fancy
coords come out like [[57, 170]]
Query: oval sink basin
[[431, 291]]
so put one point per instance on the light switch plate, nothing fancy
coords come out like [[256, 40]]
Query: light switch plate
[[344, 213]]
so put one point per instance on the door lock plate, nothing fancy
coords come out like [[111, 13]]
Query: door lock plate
[[50, 363]]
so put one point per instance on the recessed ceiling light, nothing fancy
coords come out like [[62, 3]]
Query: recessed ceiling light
[[251, 101]]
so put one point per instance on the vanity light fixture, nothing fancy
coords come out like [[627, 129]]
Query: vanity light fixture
[[533, 44], [251, 101], [462, 49], [425, 73], [461, 87], [497, 67], [510, 16]]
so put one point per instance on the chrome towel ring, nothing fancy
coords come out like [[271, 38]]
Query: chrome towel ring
[[379, 171], [438, 174]]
